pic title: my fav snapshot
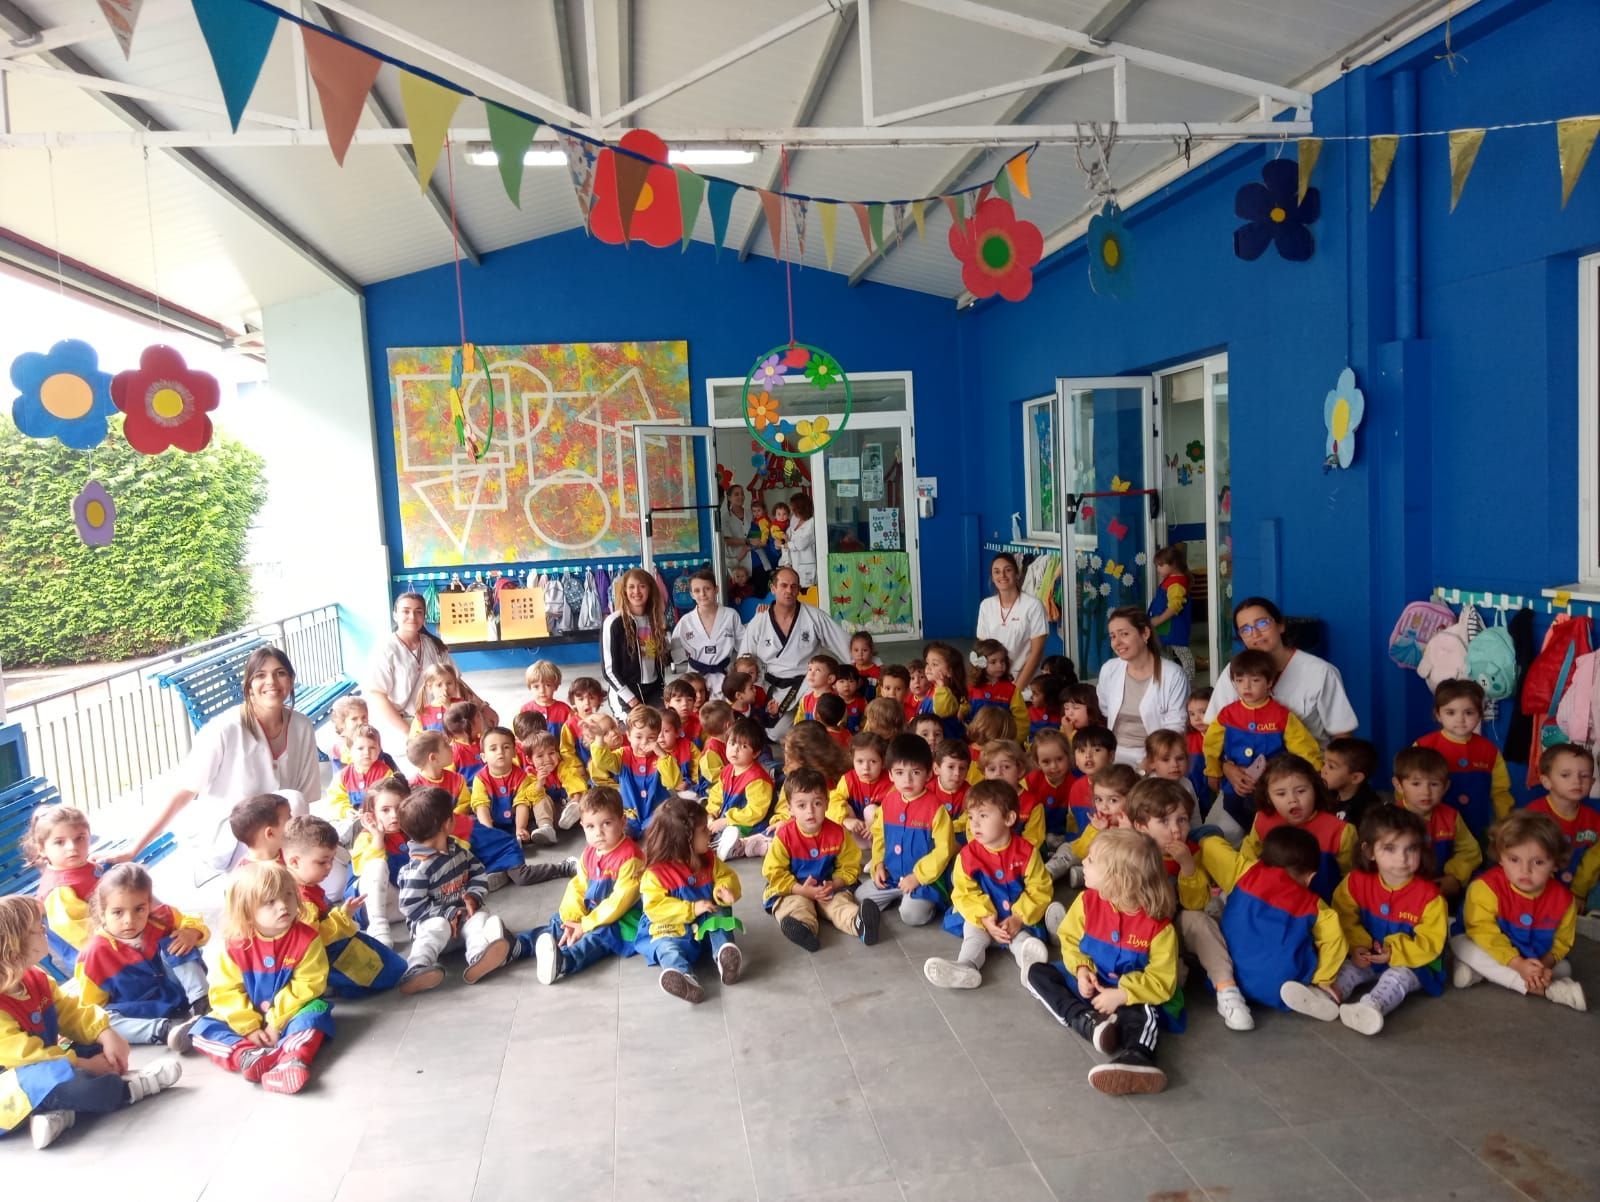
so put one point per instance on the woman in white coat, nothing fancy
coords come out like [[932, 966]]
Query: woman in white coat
[[1139, 691], [800, 551]]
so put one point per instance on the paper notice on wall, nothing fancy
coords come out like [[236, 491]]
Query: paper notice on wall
[[844, 467], [872, 455], [883, 529], [848, 489], [872, 484]]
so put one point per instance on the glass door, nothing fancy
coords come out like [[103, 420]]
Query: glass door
[[867, 528], [1219, 516], [1105, 456], [674, 467]]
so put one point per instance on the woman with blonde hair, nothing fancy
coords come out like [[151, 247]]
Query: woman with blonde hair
[[635, 642]]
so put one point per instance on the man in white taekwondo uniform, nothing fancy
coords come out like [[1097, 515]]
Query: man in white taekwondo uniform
[[784, 637]]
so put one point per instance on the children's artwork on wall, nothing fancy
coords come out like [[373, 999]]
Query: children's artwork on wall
[[1109, 244], [167, 403], [1117, 530], [94, 514], [558, 479], [997, 251], [1275, 214], [883, 528], [871, 590], [1039, 467], [1342, 412]]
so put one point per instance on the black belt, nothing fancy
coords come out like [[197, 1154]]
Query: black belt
[[785, 682], [708, 669]]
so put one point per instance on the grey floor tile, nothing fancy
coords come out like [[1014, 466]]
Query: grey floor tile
[[1054, 1120], [1204, 1098], [827, 1130], [1322, 1085], [1139, 1176], [1013, 1182], [427, 1181], [574, 1168], [456, 1122], [878, 1191], [1394, 1156], [1264, 1166], [924, 1137]]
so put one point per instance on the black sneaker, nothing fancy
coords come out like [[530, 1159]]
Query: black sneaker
[[797, 933], [868, 921], [1131, 1071]]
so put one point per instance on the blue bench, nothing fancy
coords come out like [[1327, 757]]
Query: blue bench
[[214, 684]]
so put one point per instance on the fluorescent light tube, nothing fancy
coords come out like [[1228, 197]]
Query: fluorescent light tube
[[480, 155]]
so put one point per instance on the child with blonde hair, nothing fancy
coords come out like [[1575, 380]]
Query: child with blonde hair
[[365, 765], [542, 679], [884, 717], [716, 719], [348, 712], [988, 725], [811, 868], [45, 1081], [440, 687], [808, 745], [602, 743], [1166, 756], [599, 914], [142, 965], [268, 1017], [57, 841], [1520, 919], [687, 895], [999, 891], [1119, 962]]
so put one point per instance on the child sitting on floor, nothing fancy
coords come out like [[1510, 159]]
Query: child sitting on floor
[[142, 965], [543, 678], [894, 684], [257, 823], [1567, 773], [347, 713], [602, 734], [1166, 756], [1248, 732], [950, 785], [1004, 759], [1520, 919], [739, 804], [1348, 766], [1291, 793], [541, 757], [1480, 784], [679, 746], [439, 688], [912, 839], [587, 697], [365, 765], [599, 914], [990, 686], [44, 1080], [1195, 737], [884, 717], [716, 719], [1093, 748], [378, 854], [1051, 783], [680, 696], [855, 799], [644, 777], [821, 671], [268, 1017], [1119, 962], [847, 687], [999, 890], [687, 896], [498, 850], [812, 865], [829, 713], [1420, 779], [461, 728], [864, 659], [58, 842], [358, 965], [507, 795]]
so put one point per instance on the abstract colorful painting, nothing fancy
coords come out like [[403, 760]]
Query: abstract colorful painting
[[558, 480]]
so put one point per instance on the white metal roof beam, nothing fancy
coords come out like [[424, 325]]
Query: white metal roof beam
[[993, 93], [460, 62], [562, 32], [18, 24], [87, 30], [821, 74], [434, 193], [1166, 64], [761, 41], [114, 87]]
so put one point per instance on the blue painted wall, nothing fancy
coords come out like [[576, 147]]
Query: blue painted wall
[[570, 288], [1466, 470]]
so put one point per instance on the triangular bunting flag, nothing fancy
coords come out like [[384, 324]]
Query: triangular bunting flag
[[797, 217], [954, 204], [720, 200], [580, 170], [1380, 148], [830, 229], [772, 206], [1310, 151], [343, 76], [1002, 185], [1017, 169], [865, 222], [916, 216], [122, 16], [1574, 140], [983, 195], [691, 191], [1464, 147], [899, 222], [512, 134], [631, 171], [875, 219], [238, 36], [429, 107]]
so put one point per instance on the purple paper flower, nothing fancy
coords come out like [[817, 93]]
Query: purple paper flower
[[769, 374], [95, 514]]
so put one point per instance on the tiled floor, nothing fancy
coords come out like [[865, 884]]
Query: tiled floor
[[842, 1077]]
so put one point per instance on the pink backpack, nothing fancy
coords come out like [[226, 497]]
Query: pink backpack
[[1418, 622]]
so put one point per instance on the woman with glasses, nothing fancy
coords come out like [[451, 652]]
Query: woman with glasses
[[1307, 684]]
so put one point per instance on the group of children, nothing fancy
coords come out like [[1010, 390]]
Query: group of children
[[933, 789]]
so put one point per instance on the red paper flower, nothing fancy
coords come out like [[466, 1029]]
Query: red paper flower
[[657, 219], [997, 250], [166, 401]]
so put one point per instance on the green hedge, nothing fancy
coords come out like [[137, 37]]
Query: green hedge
[[175, 573]]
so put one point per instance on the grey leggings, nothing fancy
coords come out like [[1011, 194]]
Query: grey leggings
[[914, 912]]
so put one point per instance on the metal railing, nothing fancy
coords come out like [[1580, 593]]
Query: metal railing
[[104, 742]]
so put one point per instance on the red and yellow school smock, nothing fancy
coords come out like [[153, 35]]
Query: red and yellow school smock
[[668, 892], [1336, 841], [501, 795], [713, 756], [603, 895], [1455, 852], [1507, 923], [827, 854], [688, 757], [65, 895], [348, 791], [34, 1018], [1057, 799], [955, 804], [258, 983], [852, 795], [1129, 951], [999, 883], [1411, 922], [1002, 694], [913, 837], [453, 783], [1030, 816], [1245, 735], [358, 965], [1480, 783], [370, 849], [1582, 869], [743, 798], [1080, 802], [644, 781], [952, 711], [125, 976]]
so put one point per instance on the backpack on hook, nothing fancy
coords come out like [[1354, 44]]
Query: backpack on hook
[[1418, 622]]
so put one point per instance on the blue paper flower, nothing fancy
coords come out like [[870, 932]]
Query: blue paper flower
[[62, 394], [1275, 215], [1108, 253], [1342, 412]]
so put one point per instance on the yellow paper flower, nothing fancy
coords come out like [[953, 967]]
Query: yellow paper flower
[[763, 410], [814, 434]]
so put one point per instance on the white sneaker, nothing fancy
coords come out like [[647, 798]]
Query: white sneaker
[[1464, 976], [571, 815], [1235, 1010], [1075, 877], [1361, 1016], [148, 1082], [1309, 1000], [728, 843], [951, 974], [546, 835], [1029, 950], [546, 959], [47, 1126], [1054, 915], [496, 881], [179, 1038], [1564, 991]]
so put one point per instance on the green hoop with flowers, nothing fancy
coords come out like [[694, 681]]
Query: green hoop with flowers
[[769, 381]]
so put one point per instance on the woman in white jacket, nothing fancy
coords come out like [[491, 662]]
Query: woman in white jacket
[[800, 552], [1139, 691]]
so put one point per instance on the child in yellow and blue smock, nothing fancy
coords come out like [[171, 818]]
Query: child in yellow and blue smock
[[1480, 783], [358, 965], [946, 698], [1567, 773], [1248, 732], [142, 965], [57, 841], [44, 1081], [599, 914], [1291, 793], [912, 839], [268, 1016], [498, 850], [1421, 777], [812, 867], [687, 895], [510, 796], [641, 774], [739, 804], [991, 686]]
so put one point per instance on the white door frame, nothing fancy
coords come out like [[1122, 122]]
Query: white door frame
[[707, 437]]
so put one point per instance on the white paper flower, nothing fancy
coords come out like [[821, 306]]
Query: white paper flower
[[1105, 590], [1094, 562], [1083, 560], [1127, 580], [1139, 559]]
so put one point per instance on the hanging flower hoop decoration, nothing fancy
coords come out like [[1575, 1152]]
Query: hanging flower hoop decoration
[[463, 354], [770, 386], [997, 251], [1109, 245], [62, 394], [168, 403], [1274, 214]]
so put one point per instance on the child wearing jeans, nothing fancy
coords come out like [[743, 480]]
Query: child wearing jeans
[[688, 897], [998, 893], [1119, 962], [1520, 919], [45, 1081], [599, 914], [811, 869]]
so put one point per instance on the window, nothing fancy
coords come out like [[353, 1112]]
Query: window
[[1041, 478], [1588, 420]]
